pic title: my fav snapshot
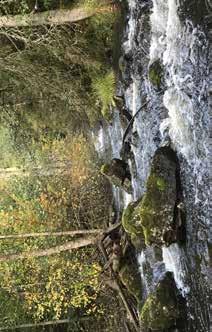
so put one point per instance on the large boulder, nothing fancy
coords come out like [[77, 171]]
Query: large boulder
[[117, 171], [162, 307], [157, 208]]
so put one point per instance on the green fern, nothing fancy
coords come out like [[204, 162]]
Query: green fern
[[104, 88]]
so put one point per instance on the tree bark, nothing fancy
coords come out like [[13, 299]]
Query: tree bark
[[53, 17], [74, 244], [26, 326], [48, 323], [44, 234], [54, 169]]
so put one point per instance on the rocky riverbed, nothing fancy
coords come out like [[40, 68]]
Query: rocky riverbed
[[164, 66]]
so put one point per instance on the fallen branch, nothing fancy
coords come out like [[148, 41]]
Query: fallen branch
[[120, 291], [132, 120]]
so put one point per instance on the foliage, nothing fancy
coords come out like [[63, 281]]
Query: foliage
[[44, 288], [104, 88], [48, 103], [36, 203]]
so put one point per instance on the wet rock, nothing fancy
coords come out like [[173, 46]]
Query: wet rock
[[131, 224], [118, 173], [126, 152], [197, 11], [122, 64], [135, 139], [127, 155], [123, 121], [156, 74], [119, 101], [162, 307], [124, 114], [157, 208]]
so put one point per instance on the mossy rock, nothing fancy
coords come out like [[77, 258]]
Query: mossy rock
[[156, 74], [158, 204], [131, 224], [138, 241], [131, 219], [161, 308], [131, 279]]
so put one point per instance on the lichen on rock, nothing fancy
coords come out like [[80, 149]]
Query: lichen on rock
[[161, 308]]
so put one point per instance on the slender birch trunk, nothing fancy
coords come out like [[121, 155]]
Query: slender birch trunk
[[54, 169], [70, 245], [46, 234], [53, 17], [26, 326]]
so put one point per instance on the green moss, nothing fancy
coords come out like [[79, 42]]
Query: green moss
[[130, 277], [138, 241], [105, 168], [156, 74], [156, 209], [160, 310], [131, 220], [150, 207], [107, 113], [161, 184], [148, 236]]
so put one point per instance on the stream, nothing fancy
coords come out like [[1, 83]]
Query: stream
[[163, 31]]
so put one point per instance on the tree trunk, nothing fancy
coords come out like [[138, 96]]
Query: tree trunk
[[74, 244], [52, 17], [26, 326], [48, 323], [44, 234], [55, 169]]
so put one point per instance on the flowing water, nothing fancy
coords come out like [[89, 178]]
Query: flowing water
[[161, 30]]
